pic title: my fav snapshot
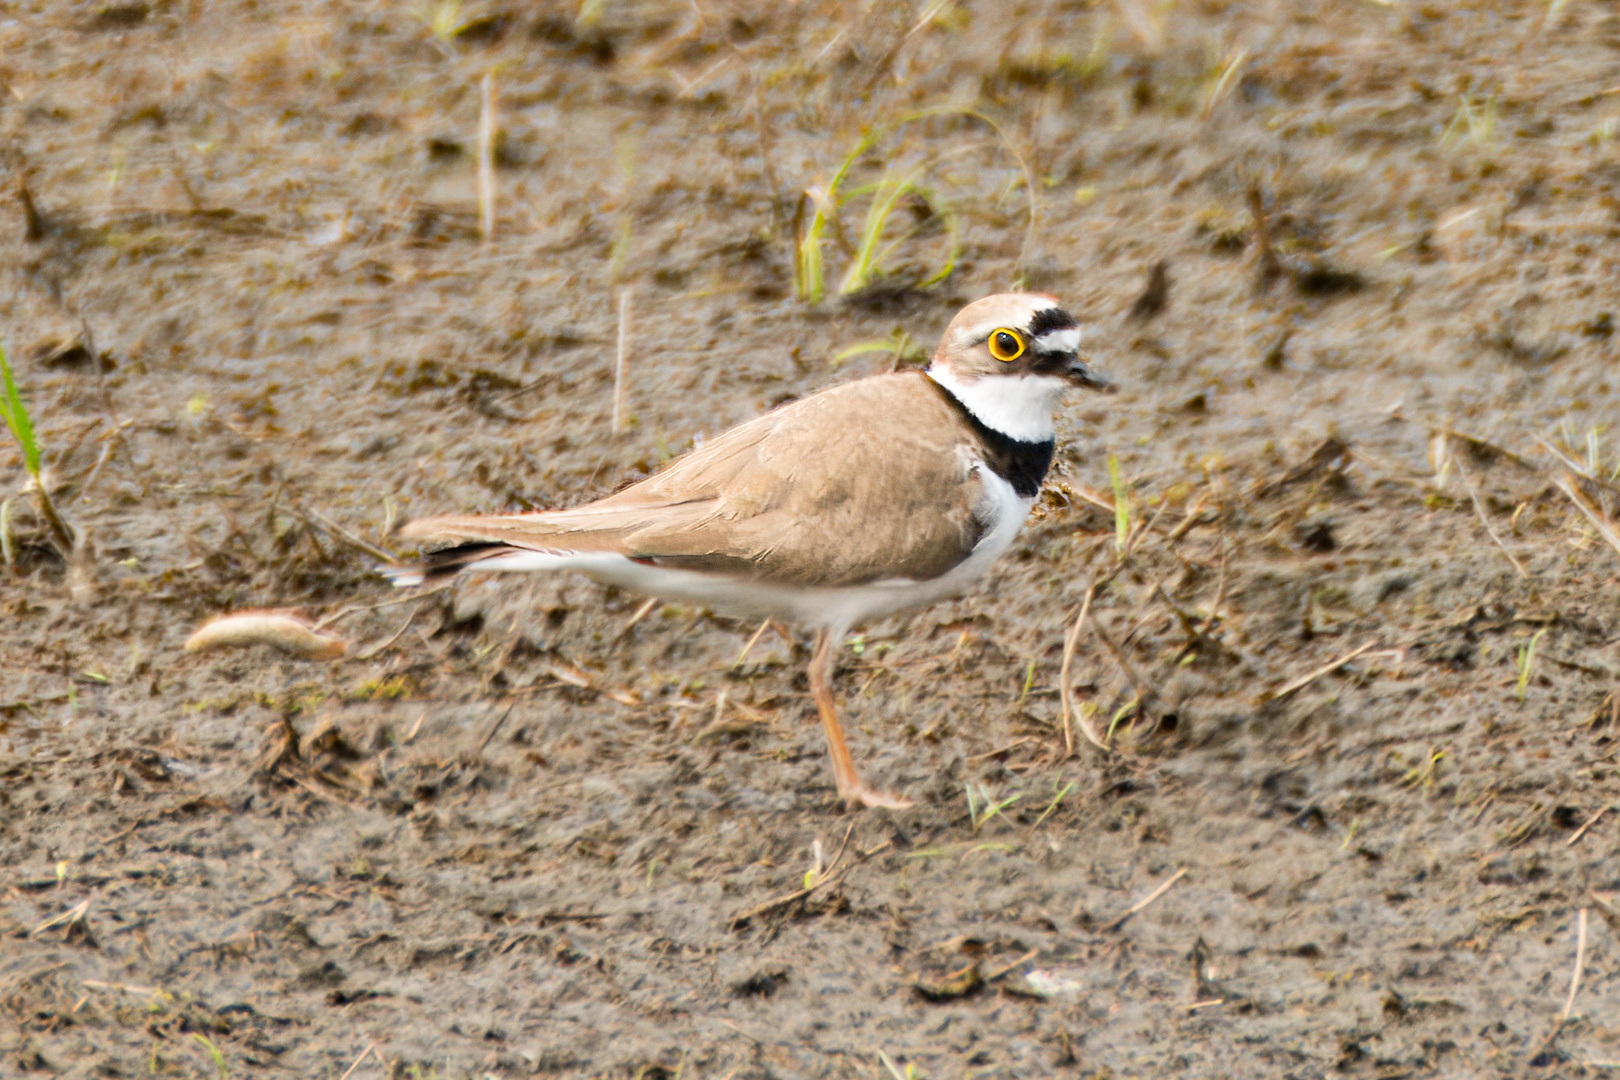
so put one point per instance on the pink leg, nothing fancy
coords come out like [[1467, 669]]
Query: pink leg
[[854, 792]]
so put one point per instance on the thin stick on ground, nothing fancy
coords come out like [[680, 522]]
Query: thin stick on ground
[[1579, 469], [375, 650], [748, 648], [493, 728], [1071, 716], [1146, 694], [343, 613], [1163, 888], [1593, 820], [1580, 962], [621, 361], [1326, 669], [118, 424], [355, 1064], [1479, 508], [338, 532], [830, 875], [641, 613], [486, 159], [1604, 527], [1269, 265]]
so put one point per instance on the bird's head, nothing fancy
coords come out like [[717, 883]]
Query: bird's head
[[1009, 357]]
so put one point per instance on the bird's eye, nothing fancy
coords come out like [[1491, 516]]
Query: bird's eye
[[1006, 345]]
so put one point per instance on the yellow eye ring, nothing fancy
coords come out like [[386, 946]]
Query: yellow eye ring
[[1006, 345]]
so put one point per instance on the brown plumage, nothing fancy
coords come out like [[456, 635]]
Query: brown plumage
[[869, 498], [778, 501]]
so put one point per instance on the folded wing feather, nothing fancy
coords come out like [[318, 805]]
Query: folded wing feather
[[863, 482]]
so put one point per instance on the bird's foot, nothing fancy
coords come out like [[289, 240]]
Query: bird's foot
[[859, 795]]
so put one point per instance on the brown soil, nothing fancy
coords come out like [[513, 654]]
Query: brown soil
[[513, 833]]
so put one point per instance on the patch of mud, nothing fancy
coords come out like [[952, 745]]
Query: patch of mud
[[518, 830]]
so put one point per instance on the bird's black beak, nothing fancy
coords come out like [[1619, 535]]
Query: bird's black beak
[[1080, 373]]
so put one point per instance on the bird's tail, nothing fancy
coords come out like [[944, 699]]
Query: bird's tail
[[444, 563], [548, 540]]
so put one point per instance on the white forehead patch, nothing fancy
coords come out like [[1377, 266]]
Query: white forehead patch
[[1058, 341]]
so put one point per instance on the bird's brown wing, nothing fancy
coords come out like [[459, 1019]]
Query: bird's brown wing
[[866, 481]]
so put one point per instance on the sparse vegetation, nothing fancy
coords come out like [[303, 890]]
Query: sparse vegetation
[[983, 807], [1273, 762], [1527, 662], [1122, 506], [21, 426]]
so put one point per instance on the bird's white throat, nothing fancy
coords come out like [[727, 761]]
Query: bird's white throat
[[1019, 406]]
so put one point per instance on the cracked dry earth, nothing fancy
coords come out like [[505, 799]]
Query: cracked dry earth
[[1367, 413]]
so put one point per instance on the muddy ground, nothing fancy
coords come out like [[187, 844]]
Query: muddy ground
[[520, 831]]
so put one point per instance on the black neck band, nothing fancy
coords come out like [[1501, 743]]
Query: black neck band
[[1022, 464]]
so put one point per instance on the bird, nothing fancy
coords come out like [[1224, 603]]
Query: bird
[[872, 497]]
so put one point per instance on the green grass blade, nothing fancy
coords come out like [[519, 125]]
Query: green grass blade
[[863, 268], [16, 414], [861, 348], [1012, 151], [953, 243], [1122, 506], [807, 263]]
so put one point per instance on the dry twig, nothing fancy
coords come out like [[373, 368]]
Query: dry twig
[[1326, 669], [823, 879], [1163, 888], [1479, 508], [1605, 528], [621, 361], [355, 1064], [1071, 715], [1593, 820], [1580, 962]]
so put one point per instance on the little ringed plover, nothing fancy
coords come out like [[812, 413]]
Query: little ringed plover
[[866, 499]]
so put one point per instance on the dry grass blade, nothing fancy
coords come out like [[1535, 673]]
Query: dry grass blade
[[375, 650], [1483, 447], [1163, 888], [641, 613], [1584, 472], [1593, 820], [1479, 509], [1087, 495], [74, 914], [355, 1064], [1580, 963], [1146, 693], [1326, 669], [344, 536], [1017, 155], [1071, 716], [1605, 528], [493, 728], [621, 361], [749, 647], [354, 609], [829, 876], [1224, 82]]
